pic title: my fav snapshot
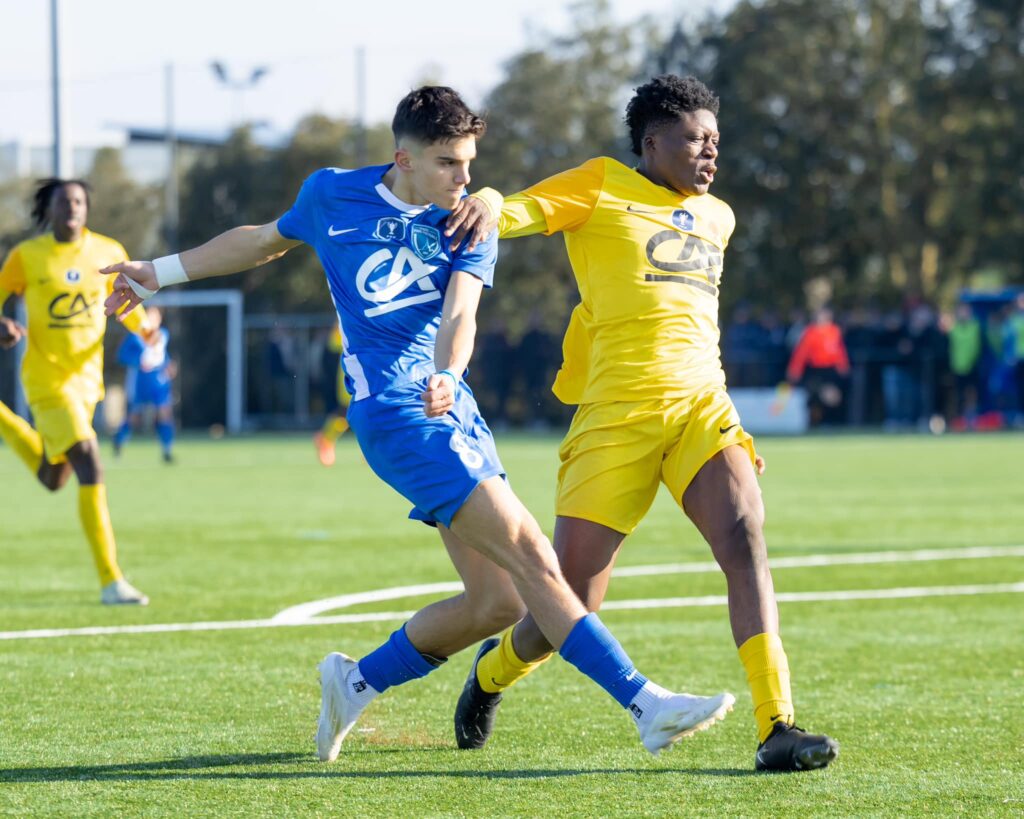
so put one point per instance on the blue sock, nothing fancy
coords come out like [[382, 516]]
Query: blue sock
[[395, 662], [594, 651], [165, 431], [124, 432]]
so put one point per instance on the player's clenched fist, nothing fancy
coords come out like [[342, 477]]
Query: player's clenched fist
[[439, 396], [10, 333]]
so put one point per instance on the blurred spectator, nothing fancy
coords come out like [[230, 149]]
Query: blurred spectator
[[926, 352], [1015, 332], [862, 336], [821, 365], [280, 370], [964, 357], [998, 368], [539, 357], [744, 349]]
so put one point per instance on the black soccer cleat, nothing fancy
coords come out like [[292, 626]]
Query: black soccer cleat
[[789, 748], [476, 709]]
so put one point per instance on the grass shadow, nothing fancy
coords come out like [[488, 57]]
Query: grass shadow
[[304, 766]]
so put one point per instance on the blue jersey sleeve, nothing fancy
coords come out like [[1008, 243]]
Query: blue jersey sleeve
[[300, 221], [130, 351], [480, 261]]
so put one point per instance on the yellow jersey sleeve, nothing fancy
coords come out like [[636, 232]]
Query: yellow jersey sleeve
[[12, 276], [565, 201]]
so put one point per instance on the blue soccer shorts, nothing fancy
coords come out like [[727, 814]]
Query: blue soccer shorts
[[434, 463]]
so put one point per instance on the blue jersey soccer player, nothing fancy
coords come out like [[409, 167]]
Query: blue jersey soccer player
[[149, 373], [641, 359], [406, 301]]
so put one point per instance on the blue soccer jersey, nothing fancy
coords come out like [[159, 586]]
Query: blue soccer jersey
[[147, 380], [388, 264]]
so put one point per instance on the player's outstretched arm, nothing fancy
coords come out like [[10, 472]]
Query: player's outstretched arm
[[454, 344], [238, 249]]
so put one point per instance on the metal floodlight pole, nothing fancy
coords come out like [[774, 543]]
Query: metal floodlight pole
[[171, 204], [61, 156]]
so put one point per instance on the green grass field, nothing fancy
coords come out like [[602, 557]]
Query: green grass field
[[924, 693]]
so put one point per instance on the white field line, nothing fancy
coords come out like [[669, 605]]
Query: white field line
[[289, 617], [305, 611]]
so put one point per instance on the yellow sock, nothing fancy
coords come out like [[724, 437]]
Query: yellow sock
[[768, 673], [95, 517], [20, 437], [501, 667], [334, 427]]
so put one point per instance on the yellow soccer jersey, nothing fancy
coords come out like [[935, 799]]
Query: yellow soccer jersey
[[64, 293], [648, 264]]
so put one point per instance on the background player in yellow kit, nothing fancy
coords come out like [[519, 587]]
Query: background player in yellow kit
[[58, 275], [336, 423], [641, 358]]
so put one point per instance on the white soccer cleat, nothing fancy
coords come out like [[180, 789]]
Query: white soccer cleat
[[682, 715], [337, 712], [122, 593]]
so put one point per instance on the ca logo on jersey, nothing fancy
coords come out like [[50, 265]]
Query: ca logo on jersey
[[66, 306], [384, 277], [684, 253], [426, 241], [390, 229]]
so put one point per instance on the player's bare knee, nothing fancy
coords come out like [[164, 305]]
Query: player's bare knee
[[53, 477], [739, 544], [501, 612]]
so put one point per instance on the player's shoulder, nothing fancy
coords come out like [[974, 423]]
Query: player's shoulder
[[719, 211], [33, 243], [106, 244]]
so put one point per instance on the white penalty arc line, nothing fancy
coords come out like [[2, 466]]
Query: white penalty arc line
[[305, 611], [306, 614], [619, 605]]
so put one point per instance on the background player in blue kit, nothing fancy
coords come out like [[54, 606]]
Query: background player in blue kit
[[149, 372], [407, 297]]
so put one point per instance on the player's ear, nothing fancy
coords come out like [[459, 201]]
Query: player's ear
[[405, 156]]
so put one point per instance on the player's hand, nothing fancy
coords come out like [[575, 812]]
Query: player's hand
[[124, 298], [759, 465], [10, 333], [470, 218], [439, 396]]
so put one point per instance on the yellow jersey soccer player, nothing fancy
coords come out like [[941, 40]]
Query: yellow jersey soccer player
[[641, 358], [58, 275], [335, 424]]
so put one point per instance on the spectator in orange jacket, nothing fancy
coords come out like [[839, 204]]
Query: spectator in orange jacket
[[820, 364]]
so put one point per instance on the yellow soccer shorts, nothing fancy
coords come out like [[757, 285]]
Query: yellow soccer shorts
[[344, 399], [62, 423], [617, 452]]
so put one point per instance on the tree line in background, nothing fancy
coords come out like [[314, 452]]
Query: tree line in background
[[871, 149]]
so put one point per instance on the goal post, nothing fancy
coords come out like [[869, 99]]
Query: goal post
[[233, 303]]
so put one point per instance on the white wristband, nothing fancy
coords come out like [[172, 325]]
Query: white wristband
[[169, 270]]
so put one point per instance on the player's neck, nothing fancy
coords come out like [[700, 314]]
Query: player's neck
[[64, 234], [401, 186]]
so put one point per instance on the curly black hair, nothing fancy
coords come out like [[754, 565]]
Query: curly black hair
[[663, 100], [435, 113], [45, 188]]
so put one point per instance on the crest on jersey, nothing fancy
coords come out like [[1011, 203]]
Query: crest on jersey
[[426, 241], [683, 219], [73, 276], [390, 229]]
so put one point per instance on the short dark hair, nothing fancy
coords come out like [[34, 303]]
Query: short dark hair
[[45, 188], [663, 100], [435, 113]]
